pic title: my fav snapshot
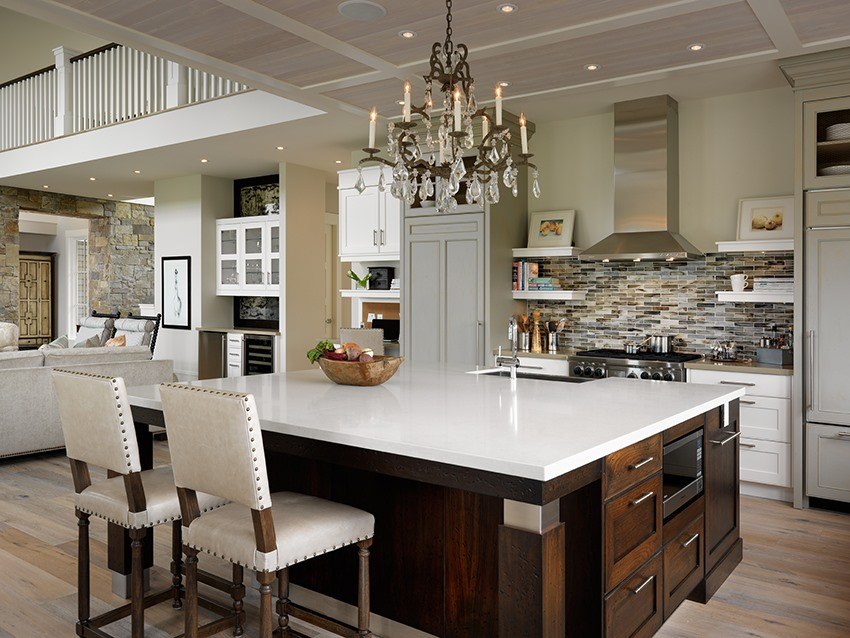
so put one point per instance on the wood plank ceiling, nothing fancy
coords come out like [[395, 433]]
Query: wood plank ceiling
[[308, 51]]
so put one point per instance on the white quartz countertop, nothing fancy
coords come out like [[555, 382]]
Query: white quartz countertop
[[527, 428]]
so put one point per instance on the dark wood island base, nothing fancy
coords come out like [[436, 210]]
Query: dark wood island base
[[463, 553]]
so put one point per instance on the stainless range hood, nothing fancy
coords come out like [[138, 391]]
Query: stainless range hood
[[646, 185]]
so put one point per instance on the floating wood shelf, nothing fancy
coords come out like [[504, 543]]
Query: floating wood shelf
[[550, 295], [756, 246], [566, 251], [755, 296]]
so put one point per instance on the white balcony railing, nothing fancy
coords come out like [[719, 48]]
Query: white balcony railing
[[106, 86]]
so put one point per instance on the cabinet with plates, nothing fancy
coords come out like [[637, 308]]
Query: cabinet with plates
[[826, 143]]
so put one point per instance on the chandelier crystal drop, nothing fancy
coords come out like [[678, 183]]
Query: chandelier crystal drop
[[432, 158]]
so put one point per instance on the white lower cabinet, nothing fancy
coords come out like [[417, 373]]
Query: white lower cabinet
[[828, 461], [235, 350], [766, 419], [766, 462]]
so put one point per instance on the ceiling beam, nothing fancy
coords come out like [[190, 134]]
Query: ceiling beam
[[777, 25]]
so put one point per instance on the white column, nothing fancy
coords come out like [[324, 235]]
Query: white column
[[63, 119], [177, 89]]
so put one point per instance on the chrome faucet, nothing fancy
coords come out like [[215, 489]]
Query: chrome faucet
[[512, 361]]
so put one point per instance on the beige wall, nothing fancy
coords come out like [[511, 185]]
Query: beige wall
[[730, 147], [302, 302]]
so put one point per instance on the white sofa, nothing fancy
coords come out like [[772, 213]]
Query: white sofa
[[29, 415], [8, 336]]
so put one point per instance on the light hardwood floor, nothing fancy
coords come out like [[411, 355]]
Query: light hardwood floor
[[794, 581]]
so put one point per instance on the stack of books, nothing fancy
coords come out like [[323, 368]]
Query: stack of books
[[773, 284], [526, 276]]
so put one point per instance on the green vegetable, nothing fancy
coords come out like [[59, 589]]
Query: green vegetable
[[321, 347], [361, 281]]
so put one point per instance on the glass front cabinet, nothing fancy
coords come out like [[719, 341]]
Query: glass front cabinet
[[826, 144], [248, 256]]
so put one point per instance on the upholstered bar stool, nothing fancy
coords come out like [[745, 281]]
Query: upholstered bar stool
[[217, 448], [98, 429]]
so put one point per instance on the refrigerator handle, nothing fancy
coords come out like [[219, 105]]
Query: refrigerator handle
[[811, 370]]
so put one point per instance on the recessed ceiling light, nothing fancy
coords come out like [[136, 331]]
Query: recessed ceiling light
[[504, 83], [591, 67], [204, 160], [400, 102], [137, 172], [109, 194], [337, 161], [507, 7], [45, 186], [280, 148], [696, 46], [361, 10], [407, 34], [91, 179]]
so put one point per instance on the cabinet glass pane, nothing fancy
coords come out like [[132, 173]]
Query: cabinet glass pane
[[254, 275], [228, 242], [275, 271], [229, 274], [833, 142], [275, 239], [253, 241]]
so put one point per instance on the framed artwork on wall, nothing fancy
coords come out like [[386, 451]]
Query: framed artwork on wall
[[766, 218], [256, 196], [177, 292], [551, 229]]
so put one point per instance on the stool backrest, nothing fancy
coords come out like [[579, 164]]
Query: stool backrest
[[364, 337], [216, 443], [97, 421]]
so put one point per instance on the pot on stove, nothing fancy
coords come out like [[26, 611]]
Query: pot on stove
[[662, 344]]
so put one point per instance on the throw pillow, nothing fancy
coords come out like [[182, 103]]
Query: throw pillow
[[118, 341], [91, 342], [57, 344]]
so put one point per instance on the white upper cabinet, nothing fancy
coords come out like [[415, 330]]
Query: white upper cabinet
[[369, 222], [826, 143], [248, 256]]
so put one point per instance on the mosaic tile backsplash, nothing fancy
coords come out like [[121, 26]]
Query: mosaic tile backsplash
[[627, 300]]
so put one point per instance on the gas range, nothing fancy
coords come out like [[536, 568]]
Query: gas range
[[598, 364]]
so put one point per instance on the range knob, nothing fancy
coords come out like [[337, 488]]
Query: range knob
[[588, 371], [631, 375], [656, 376], [578, 371], [668, 376], [599, 373], [644, 375]]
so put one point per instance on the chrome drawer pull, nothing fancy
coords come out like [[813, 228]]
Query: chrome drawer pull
[[747, 402], [640, 500], [638, 589], [726, 440], [846, 434], [637, 466], [690, 540], [749, 385], [747, 444]]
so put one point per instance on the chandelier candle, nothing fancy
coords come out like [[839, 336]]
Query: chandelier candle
[[523, 133], [433, 154]]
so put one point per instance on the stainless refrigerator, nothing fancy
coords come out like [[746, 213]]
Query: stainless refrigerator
[[826, 344]]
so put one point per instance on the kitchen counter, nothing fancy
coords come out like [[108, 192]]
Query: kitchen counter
[[534, 429], [740, 366], [244, 331]]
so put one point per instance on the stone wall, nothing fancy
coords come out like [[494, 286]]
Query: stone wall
[[121, 255], [628, 300]]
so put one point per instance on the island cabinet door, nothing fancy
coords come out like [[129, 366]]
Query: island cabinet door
[[636, 608], [722, 491]]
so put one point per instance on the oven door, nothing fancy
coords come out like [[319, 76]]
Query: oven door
[[682, 470]]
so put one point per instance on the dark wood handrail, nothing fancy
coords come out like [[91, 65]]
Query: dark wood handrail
[[93, 52], [27, 76]]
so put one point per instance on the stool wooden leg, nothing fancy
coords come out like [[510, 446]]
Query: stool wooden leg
[[83, 573], [177, 563], [238, 593], [137, 584], [283, 603], [190, 610], [363, 589], [265, 579]]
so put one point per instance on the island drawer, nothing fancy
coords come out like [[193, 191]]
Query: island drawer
[[684, 567], [632, 529], [636, 608], [631, 465], [763, 385]]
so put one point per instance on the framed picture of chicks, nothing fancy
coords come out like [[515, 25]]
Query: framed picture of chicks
[[766, 218], [551, 229]]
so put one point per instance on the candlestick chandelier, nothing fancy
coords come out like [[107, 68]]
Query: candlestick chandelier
[[434, 168]]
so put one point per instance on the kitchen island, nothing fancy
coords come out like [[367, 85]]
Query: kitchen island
[[522, 508]]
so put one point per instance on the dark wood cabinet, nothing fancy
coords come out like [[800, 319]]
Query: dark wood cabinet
[[722, 492], [684, 565], [632, 465], [635, 608]]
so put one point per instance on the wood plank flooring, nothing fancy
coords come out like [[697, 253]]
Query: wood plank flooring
[[794, 580]]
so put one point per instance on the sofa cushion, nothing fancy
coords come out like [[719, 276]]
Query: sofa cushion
[[91, 342], [137, 331], [21, 359], [96, 326], [8, 336], [105, 354], [59, 343]]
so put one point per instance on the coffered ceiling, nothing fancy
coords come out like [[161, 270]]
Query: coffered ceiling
[[308, 51]]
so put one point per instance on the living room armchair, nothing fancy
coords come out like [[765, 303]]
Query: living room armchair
[[8, 336]]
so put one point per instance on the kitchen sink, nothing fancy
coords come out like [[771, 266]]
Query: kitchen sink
[[505, 372]]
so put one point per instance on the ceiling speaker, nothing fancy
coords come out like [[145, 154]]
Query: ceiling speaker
[[362, 10]]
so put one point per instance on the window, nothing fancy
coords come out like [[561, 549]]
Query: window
[[79, 280]]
